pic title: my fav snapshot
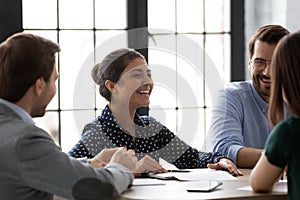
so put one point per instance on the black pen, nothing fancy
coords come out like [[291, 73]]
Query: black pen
[[178, 170]]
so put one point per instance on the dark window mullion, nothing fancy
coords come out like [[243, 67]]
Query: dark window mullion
[[10, 18], [137, 17], [237, 40]]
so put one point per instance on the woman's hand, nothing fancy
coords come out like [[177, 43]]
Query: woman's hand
[[226, 164], [106, 154], [126, 158], [102, 158], [119, 155], [149, 164]]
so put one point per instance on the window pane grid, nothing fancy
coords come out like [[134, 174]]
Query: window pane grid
[[208, 69], [83, 31]]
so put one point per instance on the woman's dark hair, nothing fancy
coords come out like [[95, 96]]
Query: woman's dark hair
[[24, 58], [112, 67], [285, 73]]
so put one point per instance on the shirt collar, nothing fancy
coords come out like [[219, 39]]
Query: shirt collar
[[139, 120], [20, 111]]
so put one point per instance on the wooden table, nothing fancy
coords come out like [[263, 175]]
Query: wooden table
[[177, 190]]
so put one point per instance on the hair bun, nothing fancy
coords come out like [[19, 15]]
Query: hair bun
[[96, 73]]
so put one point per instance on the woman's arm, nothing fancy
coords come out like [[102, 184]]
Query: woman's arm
[[264, 175]]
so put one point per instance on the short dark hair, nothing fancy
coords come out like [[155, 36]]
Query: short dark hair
[[112, 67], [24, 58], [270, 34]]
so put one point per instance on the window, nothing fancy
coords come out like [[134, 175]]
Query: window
[[189, 49], [188, 53]]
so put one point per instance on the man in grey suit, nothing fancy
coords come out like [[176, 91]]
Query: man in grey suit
[[32, 166]]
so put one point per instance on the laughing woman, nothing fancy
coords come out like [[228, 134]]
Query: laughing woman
[[124, 80]]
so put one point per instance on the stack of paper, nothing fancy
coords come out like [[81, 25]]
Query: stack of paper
[[195, 175], [203, 174]]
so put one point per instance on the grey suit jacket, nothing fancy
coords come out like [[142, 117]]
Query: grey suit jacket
[[32, 167]]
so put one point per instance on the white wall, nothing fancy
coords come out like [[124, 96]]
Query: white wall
[[293, 15], [262, 12]]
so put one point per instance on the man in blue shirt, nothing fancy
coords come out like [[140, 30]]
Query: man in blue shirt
[[239, 124]]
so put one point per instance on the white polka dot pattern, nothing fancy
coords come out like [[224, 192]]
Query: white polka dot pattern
[[152, 138]]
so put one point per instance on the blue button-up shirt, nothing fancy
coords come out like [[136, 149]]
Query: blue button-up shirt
[[239, 119]]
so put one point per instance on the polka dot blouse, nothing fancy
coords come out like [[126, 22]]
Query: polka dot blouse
[[152, 138]]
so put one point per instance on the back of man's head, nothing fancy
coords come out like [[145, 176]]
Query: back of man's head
[[24, 58]]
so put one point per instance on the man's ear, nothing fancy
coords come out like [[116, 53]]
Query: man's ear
[[38, 86], [109, 85]]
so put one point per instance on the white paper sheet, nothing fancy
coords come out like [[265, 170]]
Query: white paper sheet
[[197, 175], [147, 182], [167, 165], [203, 174]]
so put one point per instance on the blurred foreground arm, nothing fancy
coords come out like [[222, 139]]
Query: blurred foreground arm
[[264, 175]]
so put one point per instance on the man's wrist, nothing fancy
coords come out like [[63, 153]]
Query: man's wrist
[[96, 163]]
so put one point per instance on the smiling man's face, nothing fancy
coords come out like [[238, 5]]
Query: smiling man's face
[[262, 78]]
